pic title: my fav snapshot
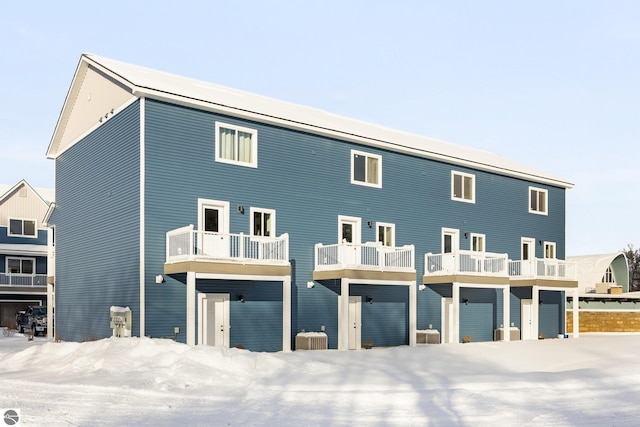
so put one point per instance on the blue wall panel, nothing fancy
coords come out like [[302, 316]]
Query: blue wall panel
[[304, 177], [551, 316], [97, 223], [256, 323], [478, 317]]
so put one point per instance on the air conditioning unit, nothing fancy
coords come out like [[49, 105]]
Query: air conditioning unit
[[312, 341]]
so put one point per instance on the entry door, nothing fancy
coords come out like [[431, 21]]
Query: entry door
[[213, 224], [527, 256], [527, 319], [349, 237], [355, 322], [214, 309], [447, 320], [450, 246]]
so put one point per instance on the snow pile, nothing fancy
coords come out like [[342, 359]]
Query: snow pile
[[141, 381]]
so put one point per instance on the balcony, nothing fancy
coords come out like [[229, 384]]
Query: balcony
[[225, 253], [29, 280], [549, 271], [370, 260], [466, 266]]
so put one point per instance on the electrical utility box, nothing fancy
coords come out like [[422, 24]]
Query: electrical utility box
[[120, 321]]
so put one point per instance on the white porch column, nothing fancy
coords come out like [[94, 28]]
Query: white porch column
[[343, 315], [286, 314], [455, 296], [506, 313], [535, 310], [191, 308], [50, 310], [576, 314], [413, 313]]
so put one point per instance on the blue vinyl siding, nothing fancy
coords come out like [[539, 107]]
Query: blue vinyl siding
[[256, 323], [551, 316], [386, 321], [479, 318], [41, 238], [431, 309], [305, 178], [97, 223]]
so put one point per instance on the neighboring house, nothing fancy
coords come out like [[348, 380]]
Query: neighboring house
[[23, 248], [604, 301], [222, 217]]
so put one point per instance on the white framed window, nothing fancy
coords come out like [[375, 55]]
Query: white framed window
[[538, 201], [477, 242], [236, 145], [22, 227], [386, 233], [549, 250], [263, 222], [366, 169], [463, 187], [25, 266]]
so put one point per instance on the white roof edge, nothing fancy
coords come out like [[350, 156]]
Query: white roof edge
[[38, 191], [144, 82]]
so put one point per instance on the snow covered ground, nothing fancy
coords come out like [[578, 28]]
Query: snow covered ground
[[593, 380]]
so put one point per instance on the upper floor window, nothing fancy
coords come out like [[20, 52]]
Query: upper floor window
[[236, 145], [21, 265], [549, 250], [366, 169], [22, 227], [386, 233], [477, 242], [463, 187], [538, 200], [263, 222]]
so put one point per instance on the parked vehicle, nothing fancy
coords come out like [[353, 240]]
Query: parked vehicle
[[34, 318]]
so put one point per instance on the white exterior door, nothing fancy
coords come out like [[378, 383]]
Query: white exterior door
[[355, 322], [349, 237], [213, 224], [450, 247], [214, 319], [526, 319], [527, 256], [447, 320]]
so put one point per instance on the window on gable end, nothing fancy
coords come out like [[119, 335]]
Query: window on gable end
[[538, 201], [22, 227]]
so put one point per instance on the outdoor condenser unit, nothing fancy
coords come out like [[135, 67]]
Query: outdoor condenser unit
[[120, 321]]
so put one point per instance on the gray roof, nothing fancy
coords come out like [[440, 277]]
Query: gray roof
[[144, 82]]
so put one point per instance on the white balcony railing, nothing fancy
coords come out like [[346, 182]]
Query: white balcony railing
[[186, 243], [466, 262], [10, 279], [543, 268], [365, 256]]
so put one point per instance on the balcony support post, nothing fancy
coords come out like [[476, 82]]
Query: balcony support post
[[286, 314], [413, 298], [506, 313], [191, 308], [455, 296], [343, 315], [576, 313]]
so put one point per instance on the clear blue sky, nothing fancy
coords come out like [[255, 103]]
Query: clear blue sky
[[553, 84]]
